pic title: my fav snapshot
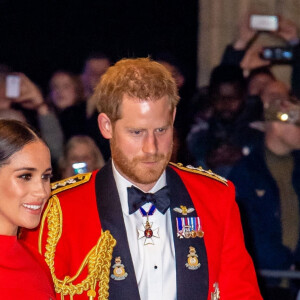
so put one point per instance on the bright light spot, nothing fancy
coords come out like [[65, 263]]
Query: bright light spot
[[284, 117]]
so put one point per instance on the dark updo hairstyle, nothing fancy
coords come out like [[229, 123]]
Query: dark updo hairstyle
[[14, 135]]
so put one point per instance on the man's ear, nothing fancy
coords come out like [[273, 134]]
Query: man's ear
[[105, 125]]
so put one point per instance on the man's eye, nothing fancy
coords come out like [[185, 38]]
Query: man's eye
[[26, 177], [161, 130], [136, 132]]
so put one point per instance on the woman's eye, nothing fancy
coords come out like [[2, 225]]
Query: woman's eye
[[26, 177], [47, 176]]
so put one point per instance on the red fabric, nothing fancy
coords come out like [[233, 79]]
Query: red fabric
[[23, 273], [228, 261], [80, 233]]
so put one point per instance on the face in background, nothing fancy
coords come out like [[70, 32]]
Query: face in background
[[141, 141], [228, 101], [179, 78], [93, 70], [257, 84], [24, 187], [82, 152], [62, 90], [274, 91], [282, 138]]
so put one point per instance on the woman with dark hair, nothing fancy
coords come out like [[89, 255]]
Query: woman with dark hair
[[25, 172]]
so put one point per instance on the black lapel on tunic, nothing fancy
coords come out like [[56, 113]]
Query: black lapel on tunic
[[111, 218], [191, 284]]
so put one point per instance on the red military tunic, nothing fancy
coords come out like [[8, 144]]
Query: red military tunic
[[230, 273]]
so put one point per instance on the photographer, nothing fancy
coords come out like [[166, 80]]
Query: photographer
[[242, 52]]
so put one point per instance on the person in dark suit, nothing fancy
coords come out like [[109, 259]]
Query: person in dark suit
[[141, 227], [268, 194]]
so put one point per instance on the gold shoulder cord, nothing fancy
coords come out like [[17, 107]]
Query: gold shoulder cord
[[98, 259]]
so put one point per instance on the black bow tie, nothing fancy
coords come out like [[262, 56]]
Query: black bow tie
[[137, 198]]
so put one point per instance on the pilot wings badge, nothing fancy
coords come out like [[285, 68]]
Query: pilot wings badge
[[183, 210]]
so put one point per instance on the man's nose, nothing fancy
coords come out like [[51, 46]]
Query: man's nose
[[150, 144]]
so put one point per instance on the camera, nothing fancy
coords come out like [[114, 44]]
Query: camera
[[263, 22], [278, 54], [80, 168]]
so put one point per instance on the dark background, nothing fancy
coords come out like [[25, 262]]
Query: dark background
[[39, 37]]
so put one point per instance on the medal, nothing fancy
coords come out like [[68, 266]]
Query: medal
[[147, 232], [189, 227]]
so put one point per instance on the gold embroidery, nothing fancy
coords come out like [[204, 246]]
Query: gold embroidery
[[98, 260], [70, 182], [200, 171]]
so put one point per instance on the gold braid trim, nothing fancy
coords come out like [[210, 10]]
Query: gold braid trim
[[201, 171], [98, 260]]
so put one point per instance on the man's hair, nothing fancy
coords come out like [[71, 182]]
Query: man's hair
[[140, 78], [260, 70], [226, 74]]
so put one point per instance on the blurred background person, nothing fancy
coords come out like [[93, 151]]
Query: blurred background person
[[65, 90], [81, 117], [67, 97], [32, 105], [80, 149], [249, 56], [184, 112], [95, 65], [257, 80], [268, 193], [219, 141], [12, 114], [25, 172]]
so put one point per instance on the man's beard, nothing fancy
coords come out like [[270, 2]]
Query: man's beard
[[133, 171]]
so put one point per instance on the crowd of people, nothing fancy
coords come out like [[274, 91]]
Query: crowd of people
[[244, 126]]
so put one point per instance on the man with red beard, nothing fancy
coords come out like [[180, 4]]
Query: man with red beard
[[141, 227]]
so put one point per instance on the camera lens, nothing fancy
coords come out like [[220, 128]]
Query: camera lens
[[267, 53]]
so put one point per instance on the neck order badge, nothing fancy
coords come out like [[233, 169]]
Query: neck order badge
[[147, 232]]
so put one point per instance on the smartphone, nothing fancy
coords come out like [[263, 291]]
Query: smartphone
[[264, 22], [12, 86], [278, 54], [80, 168]]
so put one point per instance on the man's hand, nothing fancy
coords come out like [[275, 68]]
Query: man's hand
[[246, 34], [252, 59], [287, 30]]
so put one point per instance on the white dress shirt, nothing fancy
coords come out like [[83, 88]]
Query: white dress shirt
[[154, 264]]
